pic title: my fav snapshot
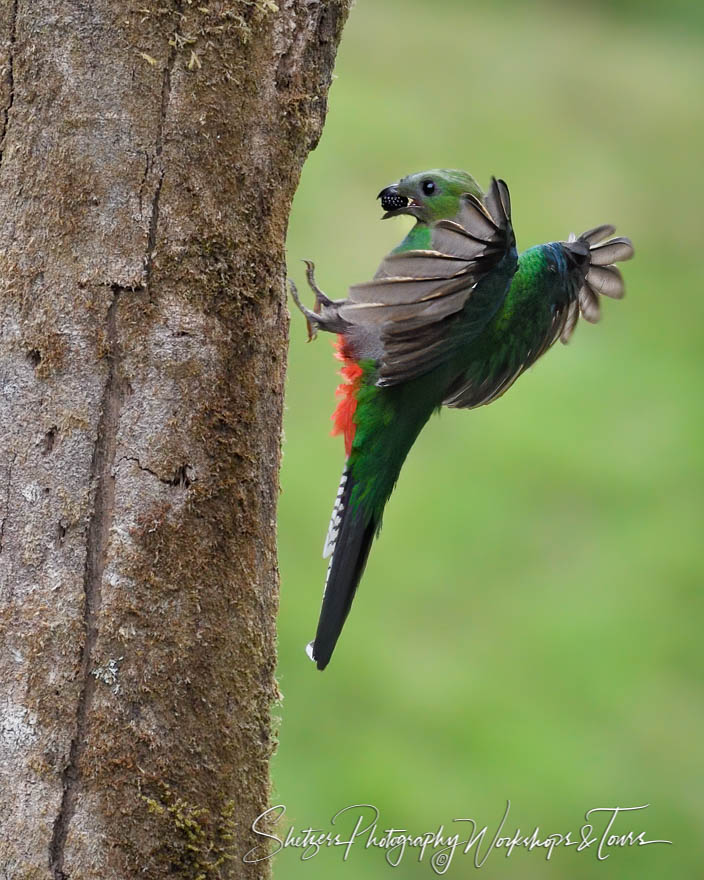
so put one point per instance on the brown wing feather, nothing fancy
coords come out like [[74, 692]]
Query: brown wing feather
[[400, 318], [416, 294]]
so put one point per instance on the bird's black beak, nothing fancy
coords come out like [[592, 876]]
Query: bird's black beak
[[392, 201]]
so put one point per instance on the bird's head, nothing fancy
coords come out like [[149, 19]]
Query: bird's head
[[429, 195]]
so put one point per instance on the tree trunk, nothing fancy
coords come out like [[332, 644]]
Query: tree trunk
[[149, 152]]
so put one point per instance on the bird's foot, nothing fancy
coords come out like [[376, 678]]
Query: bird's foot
[[310, 316], [324, 314], [321, 298]]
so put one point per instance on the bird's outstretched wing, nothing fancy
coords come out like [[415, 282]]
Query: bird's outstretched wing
[[417, 296], [591, 259], [405, 318]]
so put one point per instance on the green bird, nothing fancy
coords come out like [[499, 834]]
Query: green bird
[[453, 316]]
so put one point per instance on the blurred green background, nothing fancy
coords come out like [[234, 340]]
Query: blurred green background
[[529, 624]]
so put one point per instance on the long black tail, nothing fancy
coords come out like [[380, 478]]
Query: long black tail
[[348, 542]]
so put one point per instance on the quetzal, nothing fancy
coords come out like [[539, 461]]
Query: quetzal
[[453, 316]]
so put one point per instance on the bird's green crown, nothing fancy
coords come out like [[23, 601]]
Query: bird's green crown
[[429, 195]]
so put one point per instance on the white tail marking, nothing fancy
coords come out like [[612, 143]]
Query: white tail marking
[[336, 518]]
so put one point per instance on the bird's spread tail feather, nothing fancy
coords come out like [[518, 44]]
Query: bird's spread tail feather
[[348, 542], [601, 276]]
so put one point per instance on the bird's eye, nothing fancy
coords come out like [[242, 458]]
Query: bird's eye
[[428, 187]]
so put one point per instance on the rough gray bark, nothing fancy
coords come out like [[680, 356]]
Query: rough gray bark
[[148, 156]]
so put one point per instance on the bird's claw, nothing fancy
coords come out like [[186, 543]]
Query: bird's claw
[[321, 298], [325, 313], [311, 317]]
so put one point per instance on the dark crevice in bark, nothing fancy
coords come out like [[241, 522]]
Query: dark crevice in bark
[[143, 182], [151, 239], [158, 149], [10, 78], [49, 440], [7, 500], [97, 542], [182, 477], [122, 288]]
